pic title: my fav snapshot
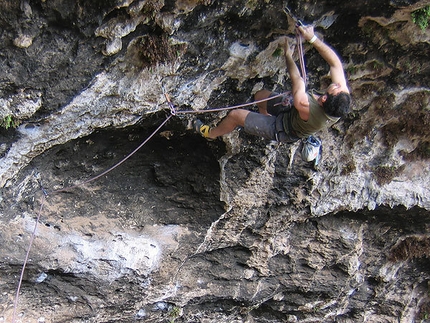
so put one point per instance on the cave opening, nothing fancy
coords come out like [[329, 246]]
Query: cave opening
[[172, 180]]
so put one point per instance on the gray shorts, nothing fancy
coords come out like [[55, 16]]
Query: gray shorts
[[261, 125], [272, 127]]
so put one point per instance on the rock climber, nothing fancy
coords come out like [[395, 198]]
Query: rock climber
[[294, 115]]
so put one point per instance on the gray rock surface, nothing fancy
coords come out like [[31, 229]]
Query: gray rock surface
[[186, 230]]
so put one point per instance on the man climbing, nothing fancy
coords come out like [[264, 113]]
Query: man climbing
[[290, 117]]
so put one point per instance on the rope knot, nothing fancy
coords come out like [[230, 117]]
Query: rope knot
[[171, 106]]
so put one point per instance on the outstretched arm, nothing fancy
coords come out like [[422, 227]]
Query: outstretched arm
[[336, 69], [301, 101]]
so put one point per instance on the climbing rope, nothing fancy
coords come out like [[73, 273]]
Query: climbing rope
[[301, 56], [299, 41], [15, 304], [228, 107]]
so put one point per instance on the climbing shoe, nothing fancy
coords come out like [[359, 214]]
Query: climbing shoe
[[201, 128]]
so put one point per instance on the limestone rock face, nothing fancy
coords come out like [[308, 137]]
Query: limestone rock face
[[128, 215]]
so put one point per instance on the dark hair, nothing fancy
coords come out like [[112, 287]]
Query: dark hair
[[337, 105]]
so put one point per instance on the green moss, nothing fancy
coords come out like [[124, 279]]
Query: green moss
[[174, 313], [421, 17], [277, 52], [9, 122], [352, 69]]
